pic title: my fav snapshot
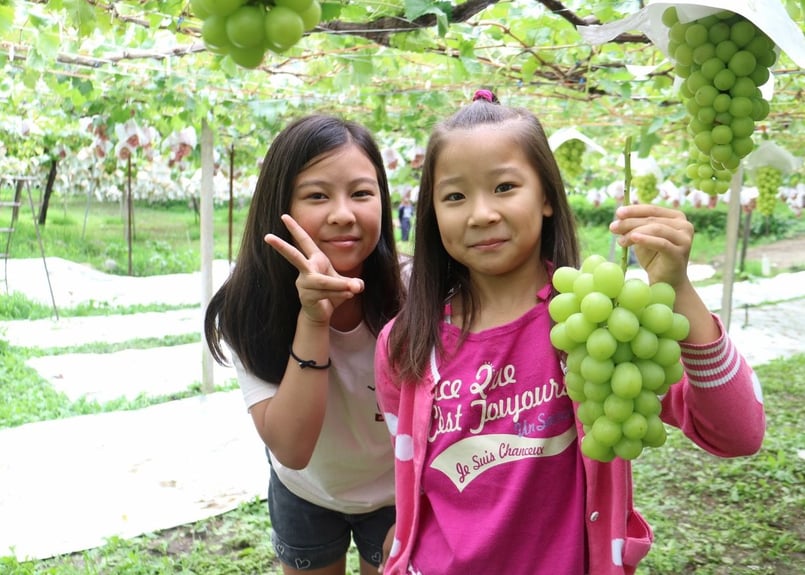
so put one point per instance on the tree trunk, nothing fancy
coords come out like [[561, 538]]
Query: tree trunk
[[43, 211]]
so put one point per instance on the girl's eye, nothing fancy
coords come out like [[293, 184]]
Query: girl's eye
[[363, 194], [504, 187], [454, 197]]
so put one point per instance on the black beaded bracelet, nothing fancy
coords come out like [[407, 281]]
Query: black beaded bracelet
[[303, 363]]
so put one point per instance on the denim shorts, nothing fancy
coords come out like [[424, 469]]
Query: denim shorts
[[306, 536]]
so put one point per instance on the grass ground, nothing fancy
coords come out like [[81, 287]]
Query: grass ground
[[711, 516]]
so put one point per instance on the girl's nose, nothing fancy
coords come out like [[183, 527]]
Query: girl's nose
[[483, 212], [341, 212]]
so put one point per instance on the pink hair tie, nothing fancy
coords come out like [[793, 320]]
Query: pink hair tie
[[484, 95]]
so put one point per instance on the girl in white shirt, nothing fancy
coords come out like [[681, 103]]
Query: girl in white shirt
[[317, 276]]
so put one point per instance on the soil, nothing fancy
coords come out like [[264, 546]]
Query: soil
[[783, 255]]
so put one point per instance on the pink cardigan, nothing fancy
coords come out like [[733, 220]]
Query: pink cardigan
[[718, 404]]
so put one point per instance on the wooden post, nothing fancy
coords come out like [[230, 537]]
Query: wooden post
[[733, 223], [207, 245], [129, 212], [231, 196]]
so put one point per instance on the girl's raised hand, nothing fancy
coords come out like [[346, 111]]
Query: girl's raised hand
[[321, 289], [661, 239]]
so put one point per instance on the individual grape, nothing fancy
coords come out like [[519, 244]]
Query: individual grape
[[597, 391], [575, 383], [673, 373], [623, 324], [589, 411], [635, 426], [606, 431], [245, 27], [591, 262], [608, 278], [564, 277], [560, 339], [595, 450], [564, 305], [596, 307], [668, 352], [584, 284], [655, 432], [601, 345], [657, 318], [578, 328], [644, 344], [662, 292], [574, 357], [628, 448], [618, 408], [647, 403], [680, 327], [597, 370], [311, 16], [626, 380]]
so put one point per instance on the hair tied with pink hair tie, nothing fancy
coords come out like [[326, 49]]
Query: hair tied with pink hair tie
[[485, 95]]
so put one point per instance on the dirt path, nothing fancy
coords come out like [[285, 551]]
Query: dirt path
[[783, 255]]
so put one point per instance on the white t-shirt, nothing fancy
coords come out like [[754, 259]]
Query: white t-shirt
[[352, 467]]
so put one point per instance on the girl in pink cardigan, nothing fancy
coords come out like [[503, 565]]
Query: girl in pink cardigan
[[489, 474]]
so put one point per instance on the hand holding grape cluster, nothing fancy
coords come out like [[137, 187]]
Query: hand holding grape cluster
[[246, 29], [723, 59], [621, 339]]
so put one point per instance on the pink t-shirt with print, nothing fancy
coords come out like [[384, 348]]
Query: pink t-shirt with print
[[503, 484]]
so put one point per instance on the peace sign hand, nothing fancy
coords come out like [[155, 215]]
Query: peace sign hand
[[321, 289]]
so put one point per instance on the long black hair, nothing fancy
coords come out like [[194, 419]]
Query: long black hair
[[255, 311]]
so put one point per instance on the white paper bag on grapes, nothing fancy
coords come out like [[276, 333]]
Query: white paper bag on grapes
[[620, 337], [769, 154], [562, 135], [768, 15]]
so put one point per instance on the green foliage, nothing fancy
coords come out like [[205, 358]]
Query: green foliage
[[715, 516], [165, 239], [17, 306], [710, 222]]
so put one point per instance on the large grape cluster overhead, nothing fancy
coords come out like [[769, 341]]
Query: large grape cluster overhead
[[621, 337], [569, 157], [246, 29], [723, 59], [768, 180]]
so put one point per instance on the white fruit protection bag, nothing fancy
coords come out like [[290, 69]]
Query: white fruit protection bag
[[768, 15]]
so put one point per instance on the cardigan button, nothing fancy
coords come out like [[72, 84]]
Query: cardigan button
[[594, 516]]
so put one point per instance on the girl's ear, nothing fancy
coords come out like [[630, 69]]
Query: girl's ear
[[547, 208]]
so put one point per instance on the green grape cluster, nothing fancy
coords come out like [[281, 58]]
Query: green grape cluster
[[768, 180], [246, 29], [646, 187], [723, 59], [569, 158], [621, 339]]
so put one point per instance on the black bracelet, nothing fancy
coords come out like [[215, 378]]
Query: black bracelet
[[303, 363]]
